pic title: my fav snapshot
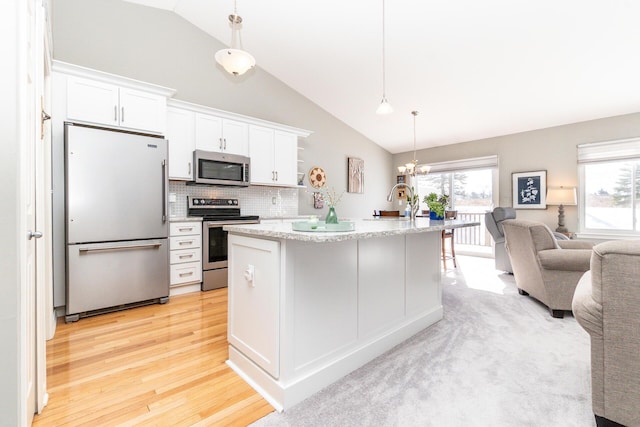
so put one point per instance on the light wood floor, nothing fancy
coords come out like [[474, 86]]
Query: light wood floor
[[161, 365]]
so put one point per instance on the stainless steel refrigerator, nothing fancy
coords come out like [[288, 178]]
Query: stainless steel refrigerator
[[116, 220]]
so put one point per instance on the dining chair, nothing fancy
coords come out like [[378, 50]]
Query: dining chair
[[448, 234]]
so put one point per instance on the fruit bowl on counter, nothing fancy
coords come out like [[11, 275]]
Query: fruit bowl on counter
[[321, 226]]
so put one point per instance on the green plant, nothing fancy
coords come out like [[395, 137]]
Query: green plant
[[437, 204]]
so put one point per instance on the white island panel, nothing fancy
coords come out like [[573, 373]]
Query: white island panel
[[325, 301], [254, 300], [422, 272], [381, 284]]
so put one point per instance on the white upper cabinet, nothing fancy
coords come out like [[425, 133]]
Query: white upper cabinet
[[274, 156], [103, 103], [95, 97], [221, 135], [180, 133], [286, 157], [272, 147], [92, 101]]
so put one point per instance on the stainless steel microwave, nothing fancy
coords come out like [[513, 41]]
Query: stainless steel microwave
[[220, 168]]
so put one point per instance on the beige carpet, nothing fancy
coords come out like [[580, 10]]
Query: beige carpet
[[496, 359]]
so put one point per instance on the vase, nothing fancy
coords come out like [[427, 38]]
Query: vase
[[433, 215], [332, 217]]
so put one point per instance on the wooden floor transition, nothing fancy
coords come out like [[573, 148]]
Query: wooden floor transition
[[160, 365]]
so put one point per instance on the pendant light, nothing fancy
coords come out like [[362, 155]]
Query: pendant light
[[384, 107], [234, 59], [412, 168]]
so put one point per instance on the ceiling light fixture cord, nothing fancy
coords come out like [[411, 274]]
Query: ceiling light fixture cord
[[384, 107]]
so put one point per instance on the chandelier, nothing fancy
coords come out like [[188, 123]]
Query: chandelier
[[234, 59], [412, 168]]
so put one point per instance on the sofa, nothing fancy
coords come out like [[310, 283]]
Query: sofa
[[607, 305], [545, 268]]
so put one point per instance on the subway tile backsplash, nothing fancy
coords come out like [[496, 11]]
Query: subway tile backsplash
[[254, 200]]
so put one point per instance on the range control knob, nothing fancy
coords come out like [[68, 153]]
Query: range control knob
[[196, 201], [203, 202], [229, 202]]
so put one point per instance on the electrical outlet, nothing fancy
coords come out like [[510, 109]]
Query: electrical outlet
[[274, 200]]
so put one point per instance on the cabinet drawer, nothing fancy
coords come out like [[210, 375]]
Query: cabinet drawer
[[185, 255], [185, 228], [185, 273], [185, 242]]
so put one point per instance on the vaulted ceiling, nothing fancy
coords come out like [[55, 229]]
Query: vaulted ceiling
[[472, 68]]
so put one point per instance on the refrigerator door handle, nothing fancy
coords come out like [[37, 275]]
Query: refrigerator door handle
[[164, 191], [118, 247]]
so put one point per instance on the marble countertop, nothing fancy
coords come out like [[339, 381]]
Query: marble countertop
[[364, 229]]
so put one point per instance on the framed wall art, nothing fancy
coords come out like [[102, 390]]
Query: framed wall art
[[529, 190], [356, 175]]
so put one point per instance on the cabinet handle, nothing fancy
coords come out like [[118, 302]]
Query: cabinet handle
[[186, 242], [276, 175], [122, 115], [189, 173], [185, 256], [186, 274], [220, 143], [225, 144], [115, 113], [185, 228]]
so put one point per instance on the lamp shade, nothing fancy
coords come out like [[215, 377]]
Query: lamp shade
[[562, 196], [235, 61]]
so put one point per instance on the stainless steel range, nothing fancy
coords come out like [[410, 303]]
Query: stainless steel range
[[216, 213]]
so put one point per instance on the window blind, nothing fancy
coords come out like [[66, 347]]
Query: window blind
[[465, 164], [622, 149]]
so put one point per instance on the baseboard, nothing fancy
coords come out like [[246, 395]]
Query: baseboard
[[282, 394], [179, 290]]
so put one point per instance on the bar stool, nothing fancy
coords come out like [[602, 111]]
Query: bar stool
[[449, 235]]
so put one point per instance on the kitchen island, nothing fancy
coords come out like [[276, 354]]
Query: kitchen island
[[307, 308]]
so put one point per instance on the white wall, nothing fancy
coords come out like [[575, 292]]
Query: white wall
[[9, 220], [552, 149], [162, 48]]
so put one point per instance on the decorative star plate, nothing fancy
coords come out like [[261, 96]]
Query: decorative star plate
[[317, 177]]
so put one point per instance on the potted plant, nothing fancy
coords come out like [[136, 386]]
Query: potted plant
[[437, 205]]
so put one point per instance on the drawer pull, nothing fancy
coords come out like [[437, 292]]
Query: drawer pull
[[185, 256], [185, 229], [186, 242], [186, 274]]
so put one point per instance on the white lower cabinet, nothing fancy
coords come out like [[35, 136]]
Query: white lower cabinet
[[185, 253]]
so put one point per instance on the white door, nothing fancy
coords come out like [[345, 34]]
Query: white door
[[92, 101], [28, 208], [208, 133], [142, 110], [286, 158], [261, 151], [235, 137], [180, 124], [44, 313]]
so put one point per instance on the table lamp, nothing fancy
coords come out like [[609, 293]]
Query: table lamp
[[561, 196]]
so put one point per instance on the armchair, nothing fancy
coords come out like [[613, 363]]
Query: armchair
[[545, 268], [607, 305], [493, 221]]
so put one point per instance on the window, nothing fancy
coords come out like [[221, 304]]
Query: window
[[610, 190], [471, 183]]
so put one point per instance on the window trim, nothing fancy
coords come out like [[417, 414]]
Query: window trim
[[627, 149]]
